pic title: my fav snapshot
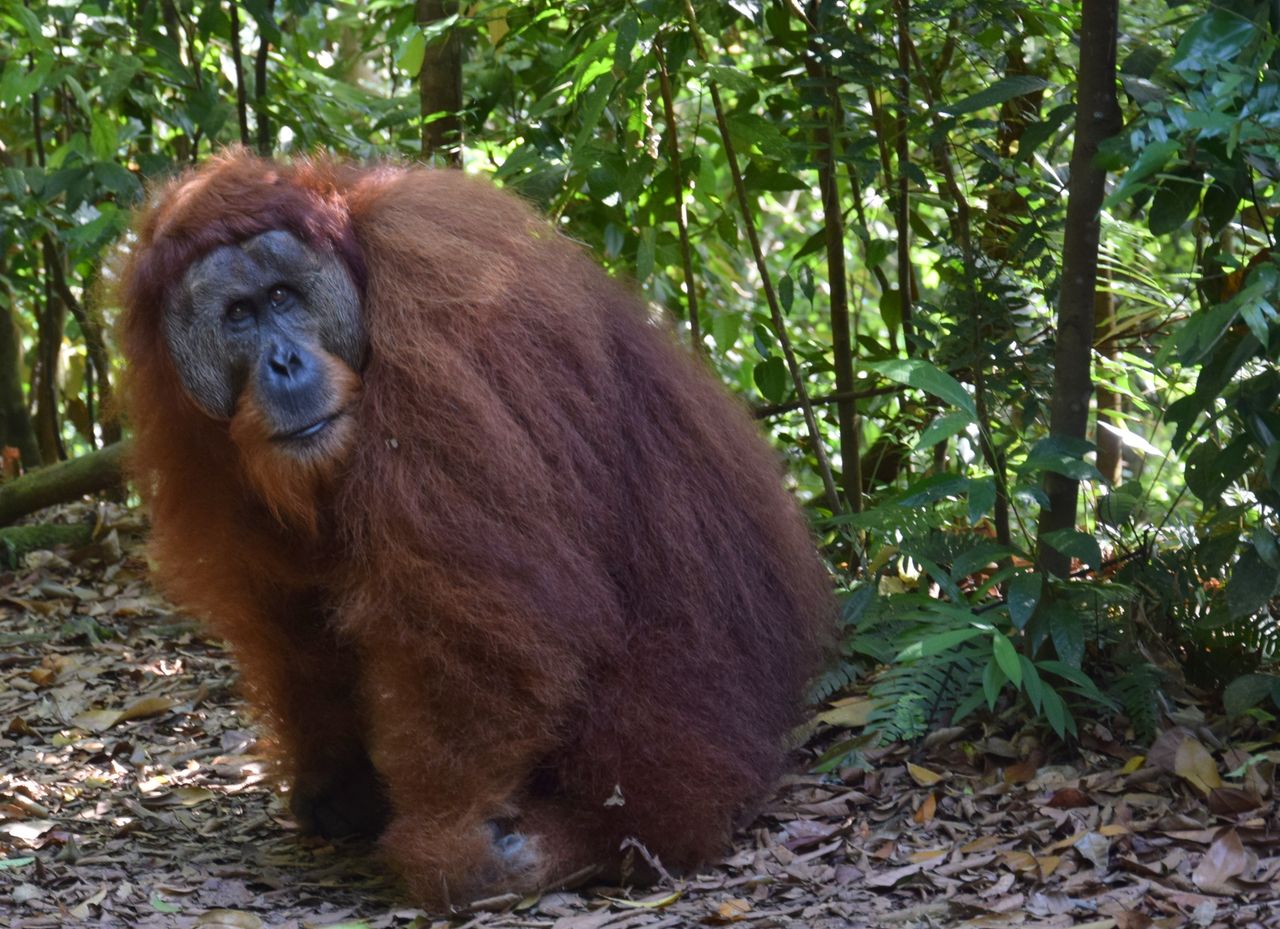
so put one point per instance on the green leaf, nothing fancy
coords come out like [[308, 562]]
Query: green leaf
[[725, 329], [982, 497], [1004, 89], [1031, 684], [1267, 547], [628, 31], [891, 311], [1153, 158], [993, 679], [645, 253], [1006, 657], [1213, 40], [978, 557], [1247, 691], [412, 53], [941, 642], [102, 137], [770, 376], [931, 488], [942, 428], [1055, 711], [161, 905], [1076, 544], [1075, 676], [1063, 455], [1117, 508], [1024, 597], [915, 372], [1253, 583], [1067, 631], [1210, 470], [1174, 203]]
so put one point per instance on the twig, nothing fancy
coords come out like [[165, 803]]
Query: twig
[[773, 409]]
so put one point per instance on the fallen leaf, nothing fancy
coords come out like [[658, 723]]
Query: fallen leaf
[[1229, 801], [1193, 763], [926, 811], [654, 902], [1020, 773], [923, 776], [850, 713], [1133, 764], [1096, 849], [147, 706], [1132, 919], [1225, 859], [732, 911], [1069, 798]]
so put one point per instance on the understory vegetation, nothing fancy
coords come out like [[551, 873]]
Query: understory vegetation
[[1040, 446]]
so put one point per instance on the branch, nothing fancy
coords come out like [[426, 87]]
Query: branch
[[682, 218], [59, 483], [773, 409], [766, 282]]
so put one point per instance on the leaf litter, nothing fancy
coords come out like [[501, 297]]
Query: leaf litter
[[136, 791]]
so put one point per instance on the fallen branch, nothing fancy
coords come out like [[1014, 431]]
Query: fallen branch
[[62, 482]]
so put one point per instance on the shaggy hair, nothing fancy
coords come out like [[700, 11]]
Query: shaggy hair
[[554, 587]]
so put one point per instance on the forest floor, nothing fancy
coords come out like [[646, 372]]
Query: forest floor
[[135, 792]]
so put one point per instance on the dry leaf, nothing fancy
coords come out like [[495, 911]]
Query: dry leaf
[[1193, 763], [926, 811], [1096, 848], [850, 713], [1229, 801], [923, 776], [1069, 798], [147, 706], [1225, 859], [1133, 764], [732, 911]]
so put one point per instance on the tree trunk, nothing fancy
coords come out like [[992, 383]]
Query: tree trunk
[[827, 120], [1097, 117], [49, 350], [440, 85], [262, 118], [15, 420]]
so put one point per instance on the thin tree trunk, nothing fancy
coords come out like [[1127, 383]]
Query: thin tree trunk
[[682, 215], [183, 145], [1097, 117], [902, 206], [237, 61], [827, 121], [91, 328], [14, 415], [440, 85], [766, 279], [51, 319], [262, 118]]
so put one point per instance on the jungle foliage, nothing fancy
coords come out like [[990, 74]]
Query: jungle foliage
[[858, 213]]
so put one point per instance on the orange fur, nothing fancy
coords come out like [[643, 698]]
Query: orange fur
[[553, 564]]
